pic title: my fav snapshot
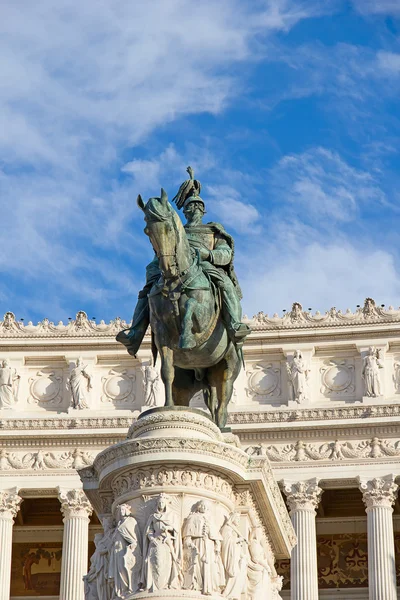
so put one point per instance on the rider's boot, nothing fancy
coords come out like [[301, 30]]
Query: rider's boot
[[132, 337], [231, 315]]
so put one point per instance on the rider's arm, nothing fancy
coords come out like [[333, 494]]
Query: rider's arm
[[222, 253]]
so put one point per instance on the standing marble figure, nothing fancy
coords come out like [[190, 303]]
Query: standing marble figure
[[161, 550], [8, 377], [97, 584], [370, 373], [298, 377], [80, 382], [151, 385], [202, 552], [125, 555], [234, 557], [258, 567]]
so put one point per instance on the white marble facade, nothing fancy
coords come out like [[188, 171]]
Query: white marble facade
[[341, 432]]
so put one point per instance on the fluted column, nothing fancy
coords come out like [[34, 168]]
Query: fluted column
[[9, 506], [303, 498], [379, 496], [76, 509]]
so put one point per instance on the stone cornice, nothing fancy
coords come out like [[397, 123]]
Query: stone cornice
[[65, 423], [251, 418], [80, 327], [370, 315], [297, 318]]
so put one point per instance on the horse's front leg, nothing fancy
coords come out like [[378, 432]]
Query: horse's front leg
[[167, 373]]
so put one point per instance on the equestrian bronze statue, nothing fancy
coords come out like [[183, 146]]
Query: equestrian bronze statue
[[191, 301]]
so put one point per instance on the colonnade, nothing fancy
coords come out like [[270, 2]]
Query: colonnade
[[76, 511], [379, 495]]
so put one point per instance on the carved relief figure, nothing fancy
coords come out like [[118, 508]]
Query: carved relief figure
[[161, 550], [202, 552], [80, 382], [298, 377], [234, 557], [370, 373], [97, 583], [151, 385], [8, 382], [125, 555], [258, 569]]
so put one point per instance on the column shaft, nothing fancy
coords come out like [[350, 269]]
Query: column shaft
[[74, 565], [74, 557], [6, 528], [379, 495], [9, 506], [303, 567], [381, 554], [303, 498]]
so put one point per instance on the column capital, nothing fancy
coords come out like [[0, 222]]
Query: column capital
[[302, 495], [74, 503], [9, 503], [380, 491]]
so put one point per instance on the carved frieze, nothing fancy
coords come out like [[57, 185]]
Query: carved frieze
[[328, 451], [138, 479], [69, 459]]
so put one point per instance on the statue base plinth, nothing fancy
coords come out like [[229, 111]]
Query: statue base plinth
[[177, 471], [175, 594]]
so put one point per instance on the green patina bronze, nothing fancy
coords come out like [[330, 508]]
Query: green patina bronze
[[192, 301]]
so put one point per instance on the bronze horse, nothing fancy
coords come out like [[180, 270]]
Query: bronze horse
[[184, 307]]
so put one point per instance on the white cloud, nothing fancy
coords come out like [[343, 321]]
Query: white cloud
[[320, 184], [389, 62], [388, 7], [235, 214], [318, 276]]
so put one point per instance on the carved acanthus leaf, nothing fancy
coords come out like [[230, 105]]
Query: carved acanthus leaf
[[380, 491], [9, 503]]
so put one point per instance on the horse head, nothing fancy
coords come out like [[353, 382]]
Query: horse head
[[167, 235]]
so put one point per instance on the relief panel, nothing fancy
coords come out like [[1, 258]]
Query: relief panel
[[46, 388], [337, 378], [264, 381], [118, 386]]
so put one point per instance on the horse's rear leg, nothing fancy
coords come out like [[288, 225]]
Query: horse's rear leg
[[223, 376], [167, 373], [211, 400], [183, 387]]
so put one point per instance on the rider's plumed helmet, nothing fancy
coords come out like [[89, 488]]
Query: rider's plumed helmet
[[192, 199]]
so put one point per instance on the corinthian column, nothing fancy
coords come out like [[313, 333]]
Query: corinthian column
[[9, 506], [76, 509], [379, 496], [303, 498]]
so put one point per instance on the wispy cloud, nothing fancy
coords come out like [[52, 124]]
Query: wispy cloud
[[388, 7], [320, 184]]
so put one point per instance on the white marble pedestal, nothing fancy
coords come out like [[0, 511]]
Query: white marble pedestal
[[176, 462]]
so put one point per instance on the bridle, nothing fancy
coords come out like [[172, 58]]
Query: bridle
[[179, 274]]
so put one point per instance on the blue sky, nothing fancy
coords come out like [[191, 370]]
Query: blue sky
[[288, 110]]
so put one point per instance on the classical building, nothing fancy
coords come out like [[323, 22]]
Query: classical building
[[319, 397]]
